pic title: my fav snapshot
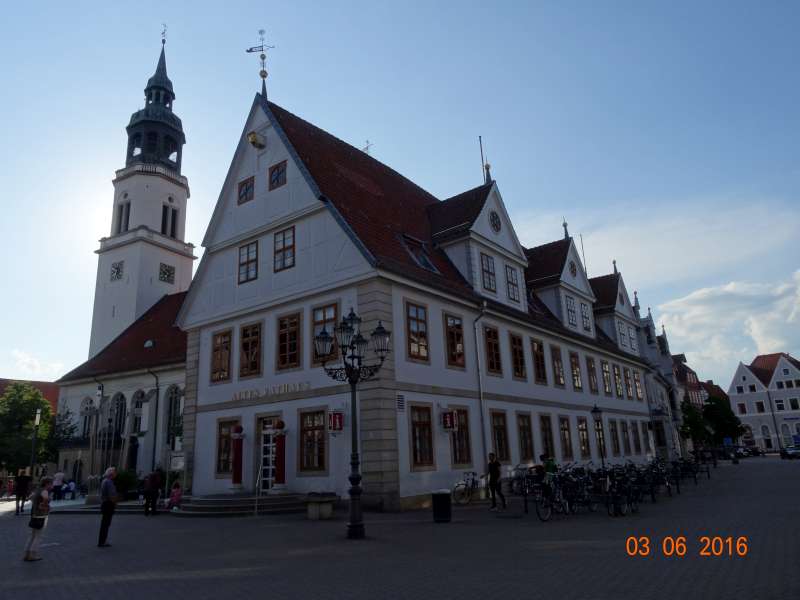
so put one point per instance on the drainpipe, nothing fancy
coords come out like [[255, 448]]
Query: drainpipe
[[155, 422], [480, 378]]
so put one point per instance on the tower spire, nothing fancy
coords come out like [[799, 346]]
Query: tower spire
[[565, 225]]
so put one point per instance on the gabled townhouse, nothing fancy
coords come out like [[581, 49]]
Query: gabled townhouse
[[765, 395]]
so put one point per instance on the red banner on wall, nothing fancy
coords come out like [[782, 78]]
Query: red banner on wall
[[335, 421]]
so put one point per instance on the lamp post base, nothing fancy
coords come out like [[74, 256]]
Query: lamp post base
[[355, 531]]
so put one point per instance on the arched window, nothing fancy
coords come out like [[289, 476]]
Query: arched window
[[118, 413], [86, 417], [786, 434], [135, 145], [174, 417], [748, 433], [171, 148], [152, 142], [765, 433], [138, 407]]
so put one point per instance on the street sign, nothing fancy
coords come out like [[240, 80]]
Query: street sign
[[727, 441], [335, 420]]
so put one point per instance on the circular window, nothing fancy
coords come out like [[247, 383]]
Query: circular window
[[621, 299], [494, 221], [572, 268]]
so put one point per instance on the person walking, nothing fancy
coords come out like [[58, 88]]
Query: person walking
[[58, 484], [22, 489], [40, 507], [152, 485], [494, 482], [108, 501]]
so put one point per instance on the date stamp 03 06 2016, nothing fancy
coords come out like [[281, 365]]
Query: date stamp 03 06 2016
[[708, 546]]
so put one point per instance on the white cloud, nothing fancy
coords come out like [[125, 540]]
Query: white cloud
[[27, 366], [668, 242], [719, 326]]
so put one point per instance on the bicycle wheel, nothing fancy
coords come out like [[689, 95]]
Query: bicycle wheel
[[462, 494], [544, 508]]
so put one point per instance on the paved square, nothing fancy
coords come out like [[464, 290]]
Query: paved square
[[480, 554]]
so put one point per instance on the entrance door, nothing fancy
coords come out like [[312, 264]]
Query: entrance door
[[267, 453]]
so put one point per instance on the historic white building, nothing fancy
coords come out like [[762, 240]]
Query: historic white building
[[765, 395], [510, 343], [127, 398]]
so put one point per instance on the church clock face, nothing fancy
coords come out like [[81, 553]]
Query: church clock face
[[166, 273], [116, 270], [494, 221]]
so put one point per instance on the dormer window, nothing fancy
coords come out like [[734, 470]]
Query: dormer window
[[572, 315], [622, 335], [487, 273], [632, 336], [587, 321], [419, 253], [512, 283]]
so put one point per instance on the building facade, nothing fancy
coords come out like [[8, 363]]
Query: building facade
[[765, 395]]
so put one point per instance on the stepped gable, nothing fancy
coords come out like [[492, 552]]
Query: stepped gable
[[455, 216], [546, 262], [127, 352], [379, 205]]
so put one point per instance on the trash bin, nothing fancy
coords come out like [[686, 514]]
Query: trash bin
[[442, 507]]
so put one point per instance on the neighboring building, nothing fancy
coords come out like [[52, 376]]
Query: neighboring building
[[505, 338], [709, 389], [765, 395], [688, 382], [48, 389], [137, 357]]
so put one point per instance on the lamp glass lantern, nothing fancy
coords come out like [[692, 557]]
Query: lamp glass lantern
[[344, 335], [323, 343], [597, 413], [38, 418], [380, 341]]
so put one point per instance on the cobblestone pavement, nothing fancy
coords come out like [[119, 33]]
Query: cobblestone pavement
[[479, 554]]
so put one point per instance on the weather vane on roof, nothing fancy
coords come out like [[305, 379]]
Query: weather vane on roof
[[163, 33], [262, 49]]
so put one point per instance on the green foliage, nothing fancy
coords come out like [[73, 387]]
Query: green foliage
[[693, 426], [17, 412], [719, 416]]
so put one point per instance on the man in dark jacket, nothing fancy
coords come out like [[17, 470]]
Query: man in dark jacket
[[108, 501], [152, 484], [494, 481], [22, 491]]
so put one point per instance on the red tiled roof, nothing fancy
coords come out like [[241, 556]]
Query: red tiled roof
[[127, 351], [605, 290], [764, 365], [49, 389], [379, 204], [713, 390], [546, 262], [457, 214]]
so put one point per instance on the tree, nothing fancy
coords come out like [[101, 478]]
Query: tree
[[694, 426], [63, 428], [17, 413], [719, 416]]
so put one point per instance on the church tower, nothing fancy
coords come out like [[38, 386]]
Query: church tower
[[145, 256]]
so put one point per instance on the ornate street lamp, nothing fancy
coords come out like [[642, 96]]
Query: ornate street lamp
[[597, 415], [36, 421], [352, 346]]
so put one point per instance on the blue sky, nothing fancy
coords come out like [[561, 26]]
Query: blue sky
[[666, 133]]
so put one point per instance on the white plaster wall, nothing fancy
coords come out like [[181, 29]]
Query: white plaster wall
[[212, 393], [147, 193], [205, 481]]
